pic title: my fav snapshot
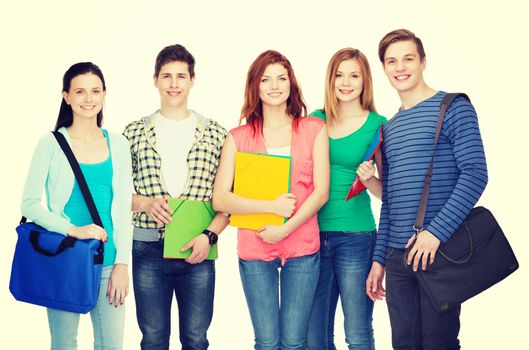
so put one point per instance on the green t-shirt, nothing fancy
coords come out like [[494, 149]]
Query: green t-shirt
[[346, 153]]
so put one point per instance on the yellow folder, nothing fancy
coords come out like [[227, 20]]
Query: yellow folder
[[260, 176]]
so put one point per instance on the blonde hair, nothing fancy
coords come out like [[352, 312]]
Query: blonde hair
[[331, 106]]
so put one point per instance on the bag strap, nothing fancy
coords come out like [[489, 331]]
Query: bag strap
[[419, 220], [66, 243], [79, 177]]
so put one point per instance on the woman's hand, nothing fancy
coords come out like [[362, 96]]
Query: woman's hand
[[271, 233], [91, 231], [374, 288], [118, 284], [365, 172], [284, 205]]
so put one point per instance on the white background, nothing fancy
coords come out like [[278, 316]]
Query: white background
[[471, 46]]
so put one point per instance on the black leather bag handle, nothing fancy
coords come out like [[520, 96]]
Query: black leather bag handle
[[470, 253], [69, 241]]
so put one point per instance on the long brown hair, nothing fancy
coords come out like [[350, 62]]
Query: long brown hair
[[65, 117], [252, 110], [331, 106]]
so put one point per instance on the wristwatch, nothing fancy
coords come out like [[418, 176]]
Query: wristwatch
[[212, 236]]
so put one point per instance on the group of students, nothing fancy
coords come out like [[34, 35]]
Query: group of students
[[293, 275]]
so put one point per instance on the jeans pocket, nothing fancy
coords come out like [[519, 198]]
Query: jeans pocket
[[206, 267], [139, 248]]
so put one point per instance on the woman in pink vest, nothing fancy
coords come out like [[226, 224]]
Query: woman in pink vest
[[278, 262]]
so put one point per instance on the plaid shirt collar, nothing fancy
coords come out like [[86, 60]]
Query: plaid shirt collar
[[149, 123]]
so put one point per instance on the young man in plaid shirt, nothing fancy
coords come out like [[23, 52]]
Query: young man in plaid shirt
[[175, 153]]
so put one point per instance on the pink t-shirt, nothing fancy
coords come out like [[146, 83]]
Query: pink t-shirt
[[305, 240]]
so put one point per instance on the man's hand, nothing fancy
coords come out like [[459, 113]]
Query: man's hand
[[157, 209], [424, 249], [374, 289], [200, 249]]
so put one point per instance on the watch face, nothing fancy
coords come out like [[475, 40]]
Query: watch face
[[213, 238]]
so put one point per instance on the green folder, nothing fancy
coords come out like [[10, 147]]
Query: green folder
[[189, 219]]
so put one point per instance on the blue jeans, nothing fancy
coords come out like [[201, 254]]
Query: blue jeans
[[280, 324], [415, 324], [155, 281], [108, 322], [345, 264]]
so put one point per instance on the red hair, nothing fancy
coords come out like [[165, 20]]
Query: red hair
[[252, 110]]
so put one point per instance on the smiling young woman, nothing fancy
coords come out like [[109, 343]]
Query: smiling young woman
[[348, 228], [273, 111], [106, 165]]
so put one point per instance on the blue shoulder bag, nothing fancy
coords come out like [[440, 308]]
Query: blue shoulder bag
[[57, 271]]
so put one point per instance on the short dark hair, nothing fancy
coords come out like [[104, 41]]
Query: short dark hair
[[65, 117], [396, 36], [174, 53]]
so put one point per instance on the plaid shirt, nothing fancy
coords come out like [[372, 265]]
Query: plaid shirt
[[203, 160]]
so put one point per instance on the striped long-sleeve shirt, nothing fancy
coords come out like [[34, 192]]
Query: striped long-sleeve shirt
[[459, 173]]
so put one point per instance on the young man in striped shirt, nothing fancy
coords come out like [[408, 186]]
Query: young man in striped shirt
[[459, 178]]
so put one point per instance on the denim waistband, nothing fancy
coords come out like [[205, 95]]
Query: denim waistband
[[349, 232]]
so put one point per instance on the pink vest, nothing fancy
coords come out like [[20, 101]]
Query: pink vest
[[305, 240]]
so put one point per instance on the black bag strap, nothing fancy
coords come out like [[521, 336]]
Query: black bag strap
[[79, 177], [66, 243], [421, 212], [419, 220], [69, 241]]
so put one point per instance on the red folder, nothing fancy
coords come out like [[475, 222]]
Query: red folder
[[357, 185]]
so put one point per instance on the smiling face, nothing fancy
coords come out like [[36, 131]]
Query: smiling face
[[86, 96], [349, 82], [274, 88], [174, 84], [403, 66]]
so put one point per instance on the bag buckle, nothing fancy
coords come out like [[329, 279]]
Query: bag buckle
[[417, 229]]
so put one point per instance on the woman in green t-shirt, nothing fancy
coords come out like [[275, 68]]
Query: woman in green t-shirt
[[347, 228]]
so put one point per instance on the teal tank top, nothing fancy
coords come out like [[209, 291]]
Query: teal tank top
[[99, 179]]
